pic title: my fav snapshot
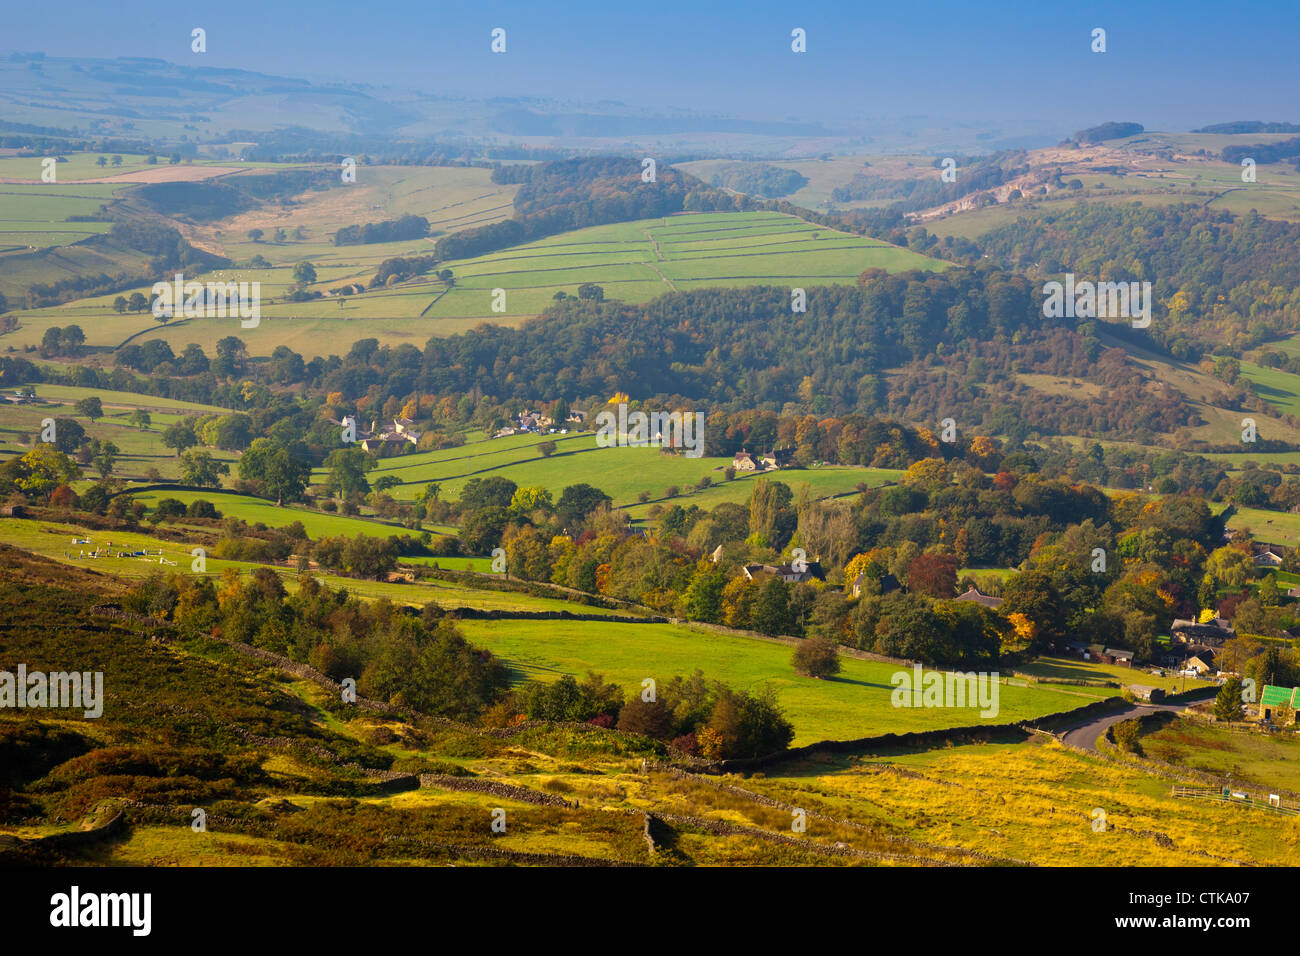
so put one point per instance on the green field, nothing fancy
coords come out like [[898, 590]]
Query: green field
[[54, 540], [140, 448], [636, 261], [1277, 527], [1074, 669], [69, 394], [632, 261], [622, 473], [854, 704], [1275, 386], [1264, 760], [316, 523], [451, 198]]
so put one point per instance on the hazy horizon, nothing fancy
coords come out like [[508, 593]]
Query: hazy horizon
[[988, 63]]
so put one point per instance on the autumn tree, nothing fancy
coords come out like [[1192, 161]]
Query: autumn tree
[[816, 657]]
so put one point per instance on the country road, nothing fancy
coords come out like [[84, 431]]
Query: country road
[[1087, 734]]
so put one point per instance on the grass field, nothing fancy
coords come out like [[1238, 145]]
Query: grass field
[[1034, 802], [1277, 527], [34, 218], [1263, 760], [1275, 386], [856, 703], [140, 448], [633, 261], [451, 198], [636, 261], [54, 540], [317, 523], [622, 473], [1073, 669]]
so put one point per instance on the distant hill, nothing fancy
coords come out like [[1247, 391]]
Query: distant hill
[[1099, 134], [1249, 126]]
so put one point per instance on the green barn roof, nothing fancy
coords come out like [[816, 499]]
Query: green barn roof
[[1273, 696]]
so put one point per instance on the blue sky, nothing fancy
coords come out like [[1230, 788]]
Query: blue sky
[[1168, 65]]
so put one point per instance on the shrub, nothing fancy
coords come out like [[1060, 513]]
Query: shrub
[[816, 657], [1126, 736], [201, 508]]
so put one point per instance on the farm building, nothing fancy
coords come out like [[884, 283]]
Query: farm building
[[1108, 655], [1202, 662], [1274, 699]]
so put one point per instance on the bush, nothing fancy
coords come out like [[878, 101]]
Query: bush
[[201, 508], [1126, 734], [816, 657], [170, 508], [647, 718]]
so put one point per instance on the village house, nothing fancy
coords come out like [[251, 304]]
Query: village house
[[977, 596], [1212, 633], [769, 461], [1108, 655], [1179, 656], [390, 439], [786, 572], [361, 431], [888, 584], [1269, 555], [534, 422]]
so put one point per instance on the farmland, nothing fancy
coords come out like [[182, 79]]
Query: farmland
[[632, 261], [53, 540], [854, 704], [637, 261], [141, 446], [621, 472], [257, 510], [1071, 669], [1260, 760]]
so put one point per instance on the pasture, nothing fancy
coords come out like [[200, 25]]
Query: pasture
[[1261, 760], [856, 703], [623, 473], [1277, 527], [1034, 802], [140, 447], [1068, 668], [631, 261], [317, 524], [53, 540]]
